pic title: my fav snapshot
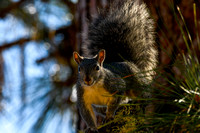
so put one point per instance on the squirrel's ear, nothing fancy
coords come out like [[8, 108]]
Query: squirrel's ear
[[77, 57], [101, 56]]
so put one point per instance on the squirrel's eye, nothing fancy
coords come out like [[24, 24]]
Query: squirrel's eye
[[97, 68]]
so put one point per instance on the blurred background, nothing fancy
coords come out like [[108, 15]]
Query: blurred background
[[37, 72], [37, 39]]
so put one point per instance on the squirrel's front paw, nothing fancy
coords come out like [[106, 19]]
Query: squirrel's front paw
[[91, 130]]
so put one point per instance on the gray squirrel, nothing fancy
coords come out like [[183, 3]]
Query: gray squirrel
[[119, 56]]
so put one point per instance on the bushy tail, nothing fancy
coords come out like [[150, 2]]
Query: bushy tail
[[126, 32]]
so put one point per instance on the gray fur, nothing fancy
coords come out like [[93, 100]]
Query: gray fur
[[126, 32]]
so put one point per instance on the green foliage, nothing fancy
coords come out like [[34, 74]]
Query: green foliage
[[178, 104], [127, 118]]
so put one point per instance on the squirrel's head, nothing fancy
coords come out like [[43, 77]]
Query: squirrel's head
[[90, 69]]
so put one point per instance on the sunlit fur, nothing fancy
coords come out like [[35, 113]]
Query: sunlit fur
[[126, 32]]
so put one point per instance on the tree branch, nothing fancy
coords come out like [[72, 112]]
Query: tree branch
[[6, 10], [18, 42]]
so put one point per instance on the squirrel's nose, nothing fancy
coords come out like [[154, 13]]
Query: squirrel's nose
[[88, 80]]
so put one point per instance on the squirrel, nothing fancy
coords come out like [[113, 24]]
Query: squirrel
[[119, 56]]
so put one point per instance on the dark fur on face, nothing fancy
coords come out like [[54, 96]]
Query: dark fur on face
[[89, 71]]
